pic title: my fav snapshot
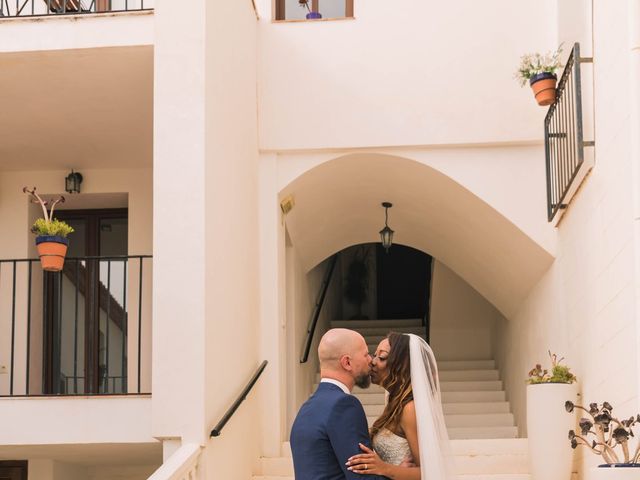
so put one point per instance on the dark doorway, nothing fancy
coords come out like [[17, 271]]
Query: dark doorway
[[13, 470], [403, 282], [85, 315]]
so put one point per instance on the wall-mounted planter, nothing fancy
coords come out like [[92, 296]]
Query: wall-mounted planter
[[550, 455], [52, 250], [544, 88]]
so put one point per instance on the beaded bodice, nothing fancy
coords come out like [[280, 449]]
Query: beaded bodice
[[392, 448]]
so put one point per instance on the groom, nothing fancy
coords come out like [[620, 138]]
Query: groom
[[329, 425]]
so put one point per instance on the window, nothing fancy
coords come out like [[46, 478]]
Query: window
[[299, 9]]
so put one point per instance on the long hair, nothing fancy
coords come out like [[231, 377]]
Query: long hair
[[397, 383]]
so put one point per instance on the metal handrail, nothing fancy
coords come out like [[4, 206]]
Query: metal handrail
[[114, 306], [311, 328], [217, 430], [45, 8], [563, 135]]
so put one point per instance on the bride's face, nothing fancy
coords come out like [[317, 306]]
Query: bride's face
[[379, 369]]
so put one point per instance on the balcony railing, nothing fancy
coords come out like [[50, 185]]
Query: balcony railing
[[82, 331], [40, 8], [564, 137]]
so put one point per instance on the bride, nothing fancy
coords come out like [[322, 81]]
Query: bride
[[409, 439]]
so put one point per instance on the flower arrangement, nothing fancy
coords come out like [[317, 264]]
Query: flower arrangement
[[48, 225], [559, 373], [607, 432], [533, 64]]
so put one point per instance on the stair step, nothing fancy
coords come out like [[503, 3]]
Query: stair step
[[383, 330], [495, 457], [476, 407], [473, 447], [356, 324], [475, 386], [457, 433], [471, 420], [474, 396], [468, 375], [466, 365]]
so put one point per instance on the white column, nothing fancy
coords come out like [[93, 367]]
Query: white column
[[179, 222], [272, 321]]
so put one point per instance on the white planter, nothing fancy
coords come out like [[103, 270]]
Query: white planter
[[612, 473], [548, 423]]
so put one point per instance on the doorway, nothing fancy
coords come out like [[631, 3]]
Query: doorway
[[85, 319]]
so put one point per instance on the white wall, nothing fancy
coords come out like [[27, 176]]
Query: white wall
[[412, 72], [584, 308], [461, 320], [302, 294]]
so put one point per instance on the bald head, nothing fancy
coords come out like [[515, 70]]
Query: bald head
[[336, 343]]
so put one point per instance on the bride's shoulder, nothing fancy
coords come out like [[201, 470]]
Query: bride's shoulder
[[409, 412]]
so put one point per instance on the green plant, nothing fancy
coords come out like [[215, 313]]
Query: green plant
[[559, 373], [607, 431], [48, 225], [535, 63]]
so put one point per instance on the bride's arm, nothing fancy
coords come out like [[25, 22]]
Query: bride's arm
[[374, 464]]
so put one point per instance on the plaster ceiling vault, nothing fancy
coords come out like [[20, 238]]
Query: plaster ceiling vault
[[338, 205], [76, 108]]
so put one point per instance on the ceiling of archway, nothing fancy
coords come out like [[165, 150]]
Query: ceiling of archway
[[338, 204]]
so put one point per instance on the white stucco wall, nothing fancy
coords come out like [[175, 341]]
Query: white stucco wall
[[401, 73], [584, 308], [461, 320]]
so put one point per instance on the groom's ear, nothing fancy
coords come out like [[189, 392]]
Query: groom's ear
[[345, 362]]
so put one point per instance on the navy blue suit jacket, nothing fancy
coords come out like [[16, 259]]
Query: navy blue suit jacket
[[326, 432]]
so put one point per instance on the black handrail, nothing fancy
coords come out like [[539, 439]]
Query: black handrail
[[563, 135], [217, 430], [311, 329], [45, 8]]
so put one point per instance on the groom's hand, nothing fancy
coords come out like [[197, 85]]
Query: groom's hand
[[368, 463]]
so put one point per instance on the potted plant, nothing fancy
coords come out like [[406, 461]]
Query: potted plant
[[540, 71], [603, 434], [547, 421], [311, 15], [51, 239]]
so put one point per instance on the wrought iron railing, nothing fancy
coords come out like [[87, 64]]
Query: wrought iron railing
[[82, 331], [315, 315], [564, 135], [40, 8]]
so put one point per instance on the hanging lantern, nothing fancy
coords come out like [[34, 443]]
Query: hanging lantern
[[386, 234]]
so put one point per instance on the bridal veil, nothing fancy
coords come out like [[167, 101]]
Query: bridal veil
[[436, 458]]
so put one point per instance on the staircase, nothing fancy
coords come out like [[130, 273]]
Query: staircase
[[479, 419]]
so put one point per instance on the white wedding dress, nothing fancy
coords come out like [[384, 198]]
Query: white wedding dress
[[436, 460]]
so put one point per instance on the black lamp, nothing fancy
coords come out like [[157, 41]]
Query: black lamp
[[386, 234], [72, 182]]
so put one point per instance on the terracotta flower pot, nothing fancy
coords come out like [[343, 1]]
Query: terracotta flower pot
[[544, 87], [52, 249]]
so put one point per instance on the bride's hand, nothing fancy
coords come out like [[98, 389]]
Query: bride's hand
[[368, 463]]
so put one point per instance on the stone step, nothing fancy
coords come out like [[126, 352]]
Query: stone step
[[497, 446], [458, 433], [368, 397], [474, 396], [383, 330], [492, 460], [471, 420], [466, 365], [375, 409], [472, 386], [356, 324], [460, 375]]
